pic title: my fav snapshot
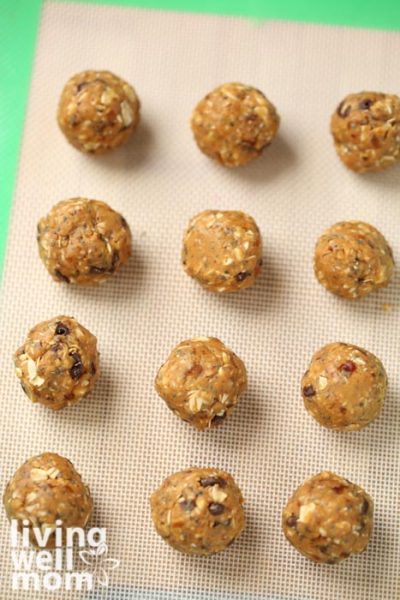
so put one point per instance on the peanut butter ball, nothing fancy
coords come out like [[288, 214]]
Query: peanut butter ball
[[366, 131], [58, 363], [344, 387], [98, 111], [234, 123], [198, 511], [46, 492], [328, 518], [83, 241], [353, 259], [222, 250], [201, 381]]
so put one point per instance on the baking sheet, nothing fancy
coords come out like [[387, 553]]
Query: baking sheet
[[122, 439]]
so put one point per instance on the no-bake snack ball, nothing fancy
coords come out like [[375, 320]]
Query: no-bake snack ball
[[234, 123], [98, 111], [46, 492], [344, 387], [366, 131], [198, 511], [83, 241], [201, 381], [353, 259], [58, 363], [222, 250], [328, 518]]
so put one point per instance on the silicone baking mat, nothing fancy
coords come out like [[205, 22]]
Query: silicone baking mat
[[122, 439]]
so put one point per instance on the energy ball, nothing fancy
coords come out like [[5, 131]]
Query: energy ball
[[344, 387], [98, 111], [234, 123], [222, 250], [198, 511], [201, 381], [58, 363], [366, 131], [353, 259], [328, 518], [46, 492], [83, 241]]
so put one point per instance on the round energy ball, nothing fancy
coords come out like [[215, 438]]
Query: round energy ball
[[353, 259], [328, 518], [201, 381], [366, 131], [198, 511], [234, 123], [46, 492], [222, 250], [344, 387], [83, 241], [58, 363], [98, 111]]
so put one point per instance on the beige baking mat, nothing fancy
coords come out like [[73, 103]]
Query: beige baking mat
[[123, 439]]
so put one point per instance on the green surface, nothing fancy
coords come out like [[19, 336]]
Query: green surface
[[19, 21], [358, 13]]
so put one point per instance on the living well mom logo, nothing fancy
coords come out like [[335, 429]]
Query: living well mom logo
[[39, 569]]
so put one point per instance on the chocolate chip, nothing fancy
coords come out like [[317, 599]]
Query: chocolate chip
[[216, 508], [343, 113], [93, 369], [338, 488], [365, 507], [242, 276], [124, 223], [291, 521], [309, 391], [114, 260], [81, 85], [187, 505], [212, 480], [365, 104], [348, 367], [218, 419], [94, 269], [60, 276], [77, 368], [225, 523], [62, 329]]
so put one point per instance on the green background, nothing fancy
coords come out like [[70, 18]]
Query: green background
[[19, 20]]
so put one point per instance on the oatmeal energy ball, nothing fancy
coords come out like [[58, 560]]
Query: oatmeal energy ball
[[353, 259], [198, 511], [46, 492], [83, 241], [366, 131], [222, 250], [98, 111], [328, 518], [234, 123], [344, 387], [201, 381], [58, 363]]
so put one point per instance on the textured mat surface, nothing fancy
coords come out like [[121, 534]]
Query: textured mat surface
[[122, 439]]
